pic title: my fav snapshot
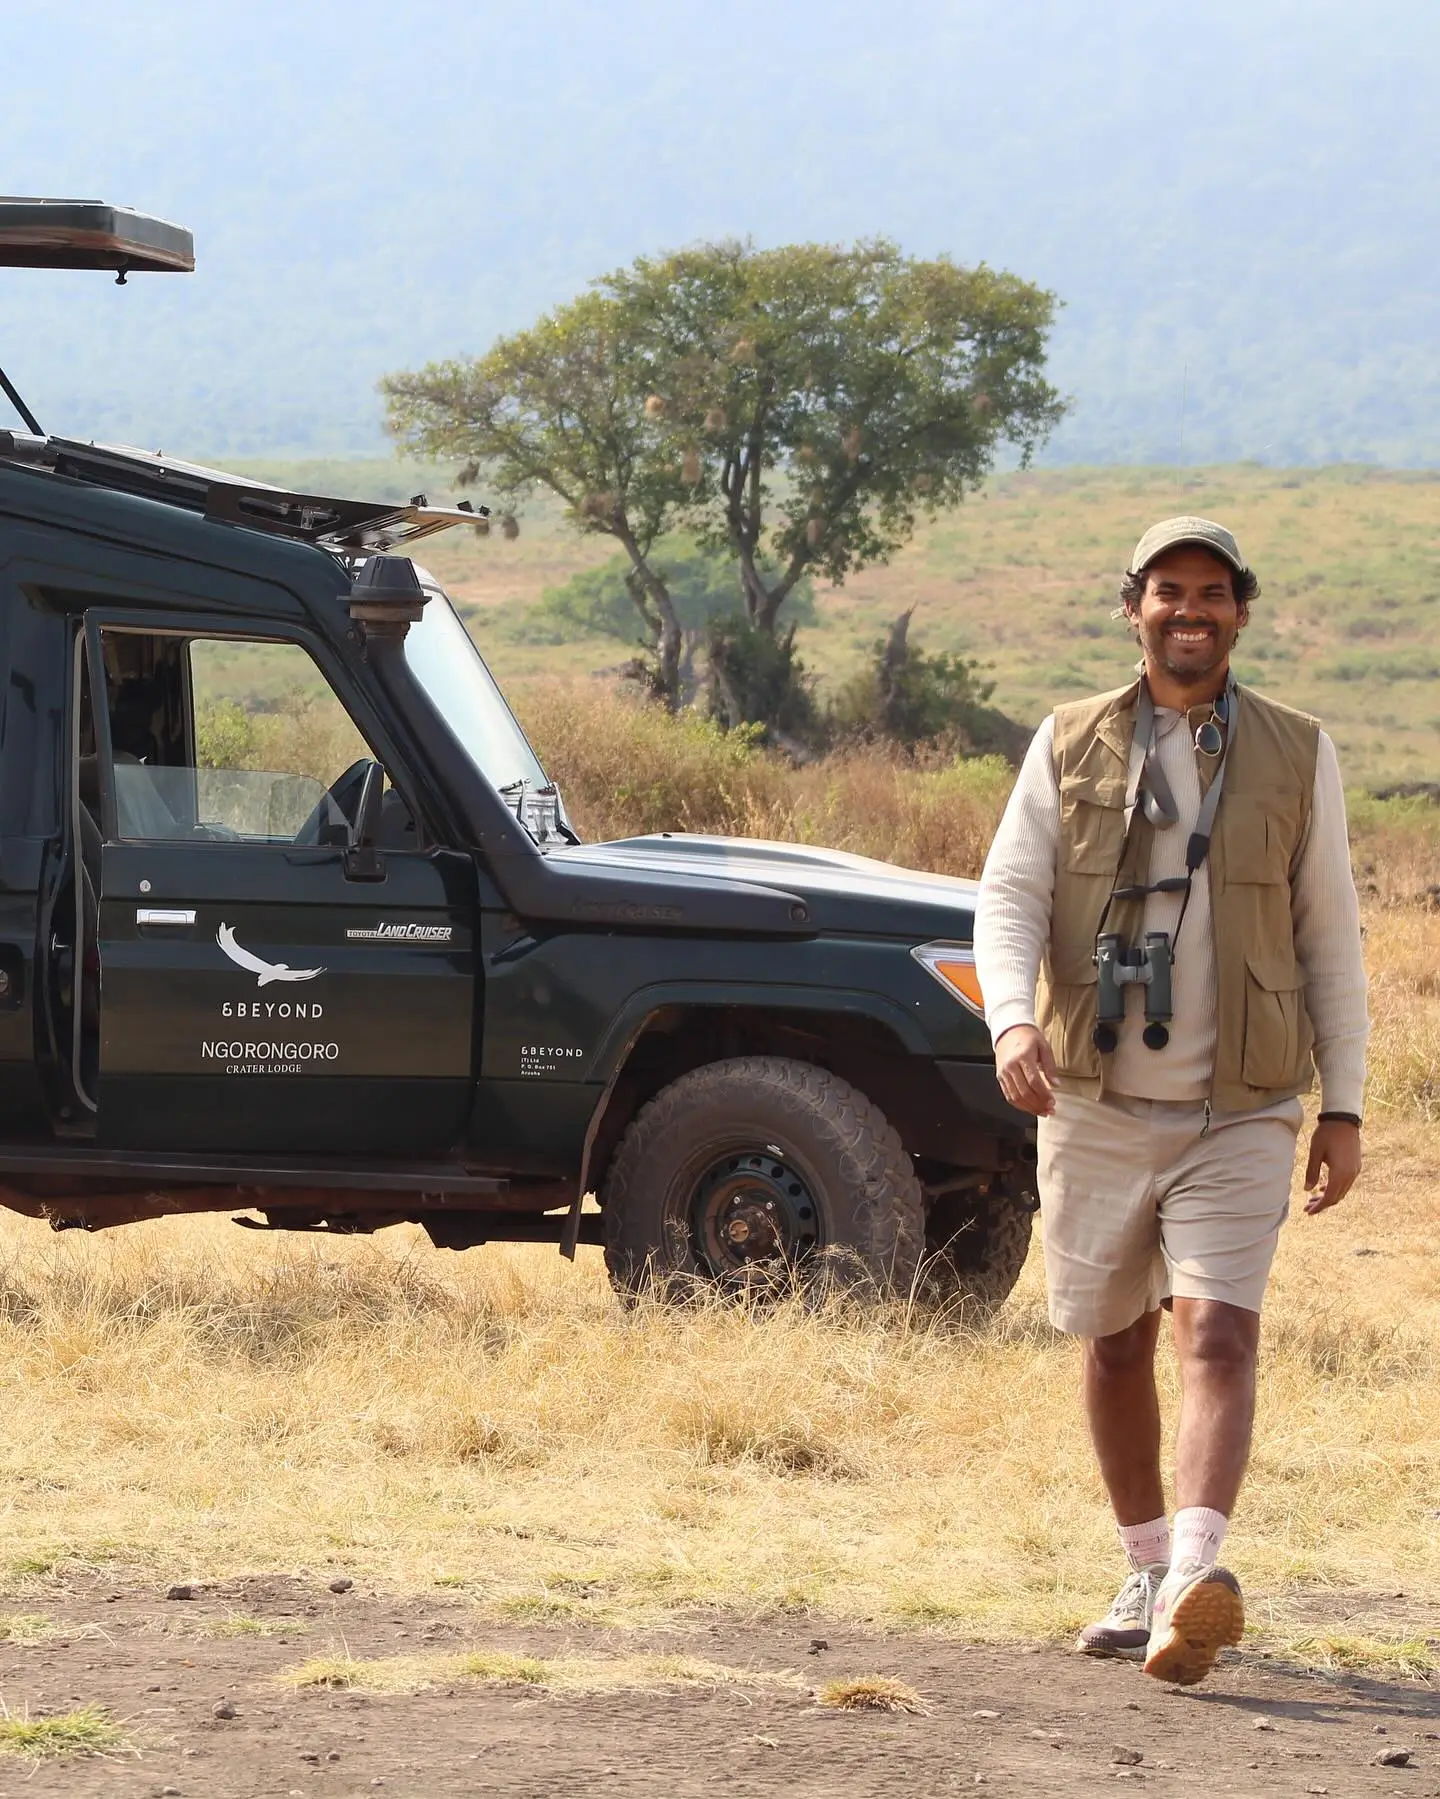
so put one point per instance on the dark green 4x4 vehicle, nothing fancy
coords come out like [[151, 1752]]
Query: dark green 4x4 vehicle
[[293, 922]]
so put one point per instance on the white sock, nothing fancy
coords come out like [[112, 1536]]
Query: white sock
[[1146, 1545], [1199, 1532]]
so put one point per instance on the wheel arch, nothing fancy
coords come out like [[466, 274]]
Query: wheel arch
[[865, 1038]]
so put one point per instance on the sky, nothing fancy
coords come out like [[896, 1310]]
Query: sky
[[1236, 203]]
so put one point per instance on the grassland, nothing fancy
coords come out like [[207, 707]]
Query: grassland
[[185, 1399], [1023, 576]]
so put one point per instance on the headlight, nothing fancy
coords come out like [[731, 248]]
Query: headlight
[[953, 965]]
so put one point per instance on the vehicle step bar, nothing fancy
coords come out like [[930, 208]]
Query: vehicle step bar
[[168, 1169]]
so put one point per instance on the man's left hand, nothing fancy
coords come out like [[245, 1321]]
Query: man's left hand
[[1334, 1165]]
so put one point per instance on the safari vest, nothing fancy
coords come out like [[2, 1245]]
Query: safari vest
[[1263, 1033]]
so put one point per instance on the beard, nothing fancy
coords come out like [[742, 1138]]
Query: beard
[[1188, 664]]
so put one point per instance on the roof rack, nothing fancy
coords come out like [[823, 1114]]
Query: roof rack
[[348, 527]]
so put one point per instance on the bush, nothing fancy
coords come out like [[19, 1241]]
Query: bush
[[224, 735], [1417, 665], [910, 697], [703, 585], [627, 768], [759, 680]]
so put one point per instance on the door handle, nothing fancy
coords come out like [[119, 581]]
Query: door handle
[[165, 915]]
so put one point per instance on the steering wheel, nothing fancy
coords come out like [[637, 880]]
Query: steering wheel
[[342, 796]]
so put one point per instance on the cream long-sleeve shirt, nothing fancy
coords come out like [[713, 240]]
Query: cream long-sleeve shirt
[[1012, 928]]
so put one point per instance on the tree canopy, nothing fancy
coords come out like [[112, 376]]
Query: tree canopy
[[796, 407], [561, 406], [819, 398]]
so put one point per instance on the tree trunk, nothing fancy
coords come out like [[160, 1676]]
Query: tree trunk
[[892, 668], [757, 598], [668, 644], [669, 657], [725, 703]]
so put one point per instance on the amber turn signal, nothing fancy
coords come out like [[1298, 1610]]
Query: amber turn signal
[[953, 965]]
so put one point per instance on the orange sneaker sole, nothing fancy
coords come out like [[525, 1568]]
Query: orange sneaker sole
[[1207, 1619]]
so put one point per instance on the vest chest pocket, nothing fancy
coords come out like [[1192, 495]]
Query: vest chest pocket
[[1091, 838], [1260, 832], [1091, 835]]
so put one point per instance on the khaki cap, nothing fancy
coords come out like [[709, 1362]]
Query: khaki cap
[[1204, 533]]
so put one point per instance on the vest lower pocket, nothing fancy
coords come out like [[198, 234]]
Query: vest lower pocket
[[1069, 1027], [1275, 1028]]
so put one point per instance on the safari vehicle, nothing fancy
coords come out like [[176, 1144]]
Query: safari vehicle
[[340, 961]]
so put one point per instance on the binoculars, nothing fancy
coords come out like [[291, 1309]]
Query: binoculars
[[1120, 967]]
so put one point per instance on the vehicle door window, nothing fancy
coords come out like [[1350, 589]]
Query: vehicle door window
[[233, 740]]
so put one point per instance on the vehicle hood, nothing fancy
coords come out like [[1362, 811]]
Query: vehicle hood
[[842, 892]]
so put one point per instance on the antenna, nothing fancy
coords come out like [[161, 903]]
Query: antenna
[[8, 388]]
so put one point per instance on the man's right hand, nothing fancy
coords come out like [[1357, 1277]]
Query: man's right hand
[[1026, 1068]]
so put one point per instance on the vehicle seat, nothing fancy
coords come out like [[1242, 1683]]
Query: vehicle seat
[[396, 829]]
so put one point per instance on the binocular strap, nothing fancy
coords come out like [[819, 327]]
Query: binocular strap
[[1150, 793]]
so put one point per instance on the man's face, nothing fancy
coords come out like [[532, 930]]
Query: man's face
[[1187, 617]]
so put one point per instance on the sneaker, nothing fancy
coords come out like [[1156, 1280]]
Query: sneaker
[[1125, 1628], [1197, 1612]]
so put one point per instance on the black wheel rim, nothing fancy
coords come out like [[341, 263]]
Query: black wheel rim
[[751, 1209]]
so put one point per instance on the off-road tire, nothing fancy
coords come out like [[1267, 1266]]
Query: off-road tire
[[870, 1203], [974, 1254]]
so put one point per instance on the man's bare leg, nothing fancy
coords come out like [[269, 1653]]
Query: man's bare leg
[[1218, 1346], [1198, 1609], [1124, 1413]]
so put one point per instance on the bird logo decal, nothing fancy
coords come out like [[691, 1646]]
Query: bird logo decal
[[264, 972]]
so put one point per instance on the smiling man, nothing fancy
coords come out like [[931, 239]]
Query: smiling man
[[1168, 941]]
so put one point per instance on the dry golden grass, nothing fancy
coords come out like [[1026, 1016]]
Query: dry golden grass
[[625, 768], [555, 1674], [187, 1398], [26, 1627], [871, 1693], [1404, 957], [238, 1625]]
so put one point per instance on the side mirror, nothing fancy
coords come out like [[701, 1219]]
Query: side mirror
[[363, 862]]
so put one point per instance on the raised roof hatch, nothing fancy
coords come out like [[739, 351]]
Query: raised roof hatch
[[88, 234]]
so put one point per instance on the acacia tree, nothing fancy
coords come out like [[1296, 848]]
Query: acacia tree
[[562, 406], [798, 407], [818, 398]]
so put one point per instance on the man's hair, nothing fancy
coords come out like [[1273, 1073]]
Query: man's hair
[[1245, 587]]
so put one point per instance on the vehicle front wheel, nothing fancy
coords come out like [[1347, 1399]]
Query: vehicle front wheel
[[762, 1167]]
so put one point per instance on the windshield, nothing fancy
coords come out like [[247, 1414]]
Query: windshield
[[450, 669]]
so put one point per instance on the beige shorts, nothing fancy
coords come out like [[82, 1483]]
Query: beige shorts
[[1140, 1203]]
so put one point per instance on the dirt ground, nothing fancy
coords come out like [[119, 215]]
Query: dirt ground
[[1019, 1720]]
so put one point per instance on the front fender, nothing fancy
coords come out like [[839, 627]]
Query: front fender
[[765, 997]]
